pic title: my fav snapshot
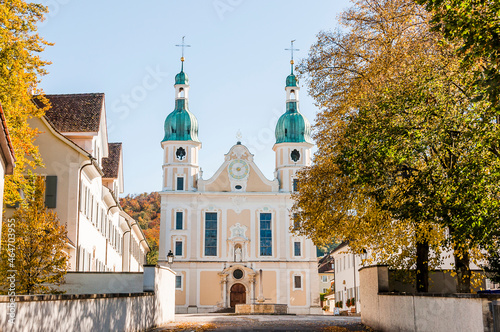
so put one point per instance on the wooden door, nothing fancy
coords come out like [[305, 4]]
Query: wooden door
[[238, 295]]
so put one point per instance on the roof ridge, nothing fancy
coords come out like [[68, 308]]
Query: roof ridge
[[73, 94]]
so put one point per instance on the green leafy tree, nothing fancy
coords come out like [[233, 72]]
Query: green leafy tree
[[405, 153], [36, 252], [474, 28], [20, 72]]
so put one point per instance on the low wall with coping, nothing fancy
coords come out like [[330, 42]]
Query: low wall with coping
[[136, 311], [102, 282], [385, 311]]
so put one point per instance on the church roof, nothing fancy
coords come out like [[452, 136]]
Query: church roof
[[74, 112], [181, 78], [111, 164], [181, 124], [293, 127], [291, 80]]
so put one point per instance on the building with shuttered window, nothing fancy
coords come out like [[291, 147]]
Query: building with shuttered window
[[84, 176], [230, 233]]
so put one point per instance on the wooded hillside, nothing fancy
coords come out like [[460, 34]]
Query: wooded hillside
[[145, 208]]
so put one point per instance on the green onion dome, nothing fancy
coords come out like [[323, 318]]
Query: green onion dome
[[292, 126], [291, 80], [181, 124], [181, 78]]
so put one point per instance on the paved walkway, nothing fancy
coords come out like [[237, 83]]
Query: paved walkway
[[232, 322]]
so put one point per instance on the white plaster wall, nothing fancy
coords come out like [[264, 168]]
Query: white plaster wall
[[96, 312], [164, 295], [348, 276], [127, 313], [386, 312], [102, 283]]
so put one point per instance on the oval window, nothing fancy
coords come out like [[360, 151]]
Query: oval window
[[238, 187], [237, 274], [180, 153]]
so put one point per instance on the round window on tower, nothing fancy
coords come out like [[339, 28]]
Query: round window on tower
[[237, 274], [295, 155], [180, 153]]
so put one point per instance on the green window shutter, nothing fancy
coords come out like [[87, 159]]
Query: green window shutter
[[50, 191]]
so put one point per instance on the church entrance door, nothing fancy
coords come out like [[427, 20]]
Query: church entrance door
[[238, 295]]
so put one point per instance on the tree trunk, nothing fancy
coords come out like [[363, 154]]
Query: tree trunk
[[463, 271], [422, 267]]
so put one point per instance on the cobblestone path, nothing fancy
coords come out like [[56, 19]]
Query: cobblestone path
[[231, 322]]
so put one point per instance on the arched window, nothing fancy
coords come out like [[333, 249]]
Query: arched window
[[292, 94], [181, 93]]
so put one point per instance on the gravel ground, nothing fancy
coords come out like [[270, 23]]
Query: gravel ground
[[231, 322]]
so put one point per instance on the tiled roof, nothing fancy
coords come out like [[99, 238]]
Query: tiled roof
[[340, 246], [6, 145], [110, 165], [75, 112]]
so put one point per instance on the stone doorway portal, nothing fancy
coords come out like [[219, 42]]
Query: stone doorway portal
[[238, 295]]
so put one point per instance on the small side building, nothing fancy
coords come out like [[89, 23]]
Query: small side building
[[347, 267], [326, 273]]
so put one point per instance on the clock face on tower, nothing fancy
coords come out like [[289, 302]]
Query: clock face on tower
[[238, 169]]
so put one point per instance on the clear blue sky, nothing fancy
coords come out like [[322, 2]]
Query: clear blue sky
[[236, 65]]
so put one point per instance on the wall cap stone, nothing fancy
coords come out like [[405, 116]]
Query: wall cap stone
[[372, 266], [451, 295], [62, 297]]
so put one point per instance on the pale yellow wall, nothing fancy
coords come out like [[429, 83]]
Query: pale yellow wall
[[270, 286], [64, 161], [243, 218], [221, 183], [180, 295], [298, 297], [210, 291], [255, 184]]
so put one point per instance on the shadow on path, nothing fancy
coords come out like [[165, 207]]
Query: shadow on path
[[241, 323]]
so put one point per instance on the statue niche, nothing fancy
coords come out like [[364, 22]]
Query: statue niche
[[238, 253]]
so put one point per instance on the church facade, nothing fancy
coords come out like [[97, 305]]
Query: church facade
[[231, 234]]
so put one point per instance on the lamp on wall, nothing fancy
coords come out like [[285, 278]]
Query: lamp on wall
[[170, 258]]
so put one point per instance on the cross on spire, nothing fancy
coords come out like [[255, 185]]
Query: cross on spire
[[183, 45], [291, 49]]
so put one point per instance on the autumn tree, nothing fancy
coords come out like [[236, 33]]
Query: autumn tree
[[146, 209], [35, 252], [403, 142], [474, 28], [20, 72]]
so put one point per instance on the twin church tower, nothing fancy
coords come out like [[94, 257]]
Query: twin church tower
[[230, 234]]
